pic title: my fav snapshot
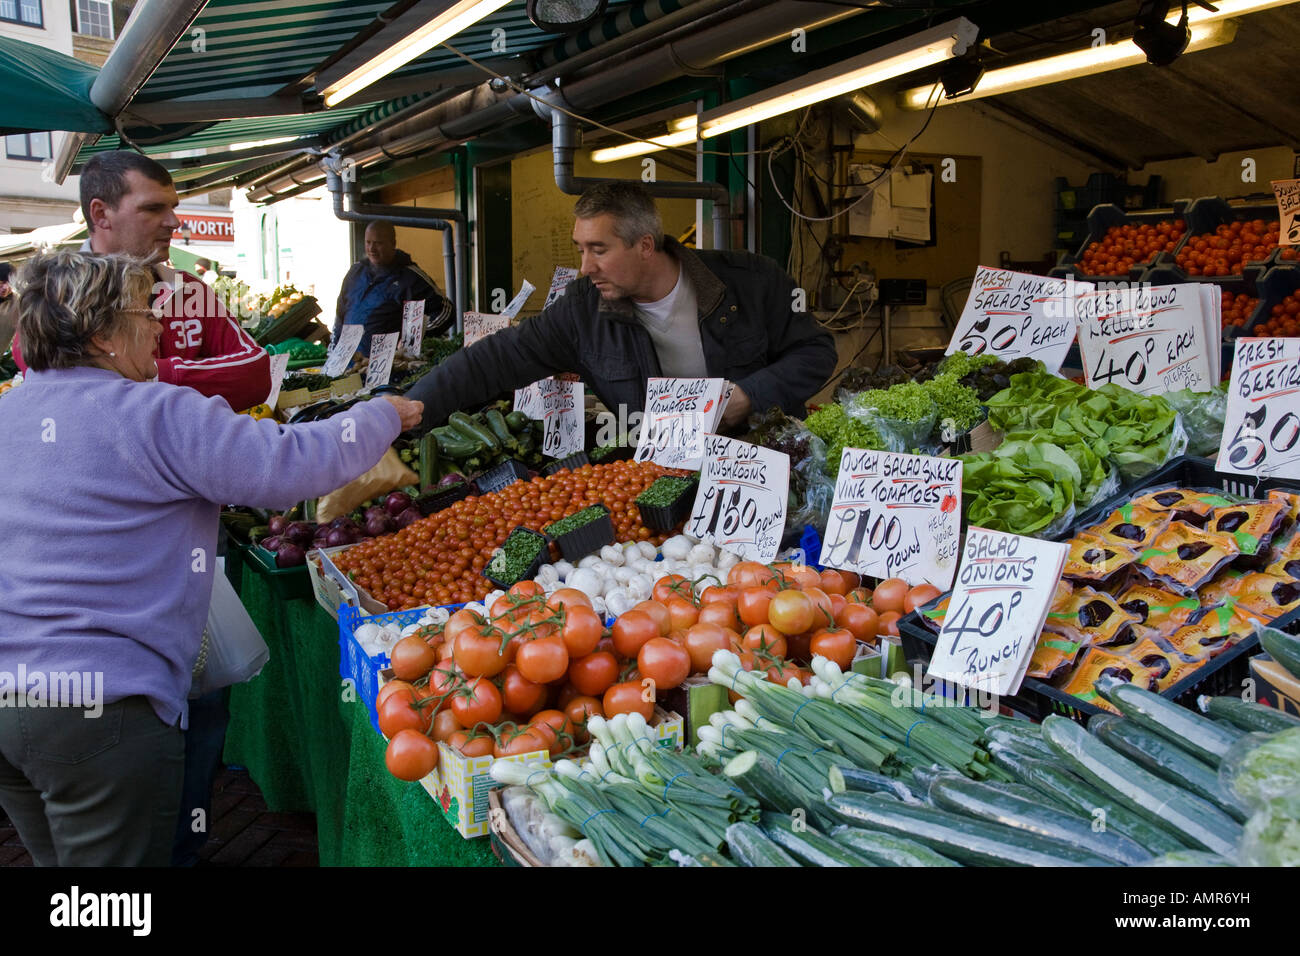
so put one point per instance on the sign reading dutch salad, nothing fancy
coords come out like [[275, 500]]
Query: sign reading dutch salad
[[479, 325], [1261, 429], [1005, 587], [678, 413], [895, 516], [741, 500], [1149, 339], [1017, 315], [342, 350]]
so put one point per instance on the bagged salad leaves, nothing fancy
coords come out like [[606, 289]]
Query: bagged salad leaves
[[1022, 487], [811, 490], [904, 415], [1272, 835], [1203, 414], [1261, 767], [839, 430]]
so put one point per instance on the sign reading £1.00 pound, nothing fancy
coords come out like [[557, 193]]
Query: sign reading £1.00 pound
[[1004, 590], [895, 516], [741, 500], [1017, 315], [1261, 429]]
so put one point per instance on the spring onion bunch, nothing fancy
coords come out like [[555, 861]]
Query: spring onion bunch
[[825, 724]]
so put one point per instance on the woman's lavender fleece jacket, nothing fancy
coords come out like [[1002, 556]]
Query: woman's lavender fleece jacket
[[109, 500]]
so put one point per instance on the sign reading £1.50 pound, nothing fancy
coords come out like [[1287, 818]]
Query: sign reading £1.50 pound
[[741, 500]]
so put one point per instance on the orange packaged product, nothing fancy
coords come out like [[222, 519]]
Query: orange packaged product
[[1093, 560], [1290, 500], [1091, 618], [1094, 664], [1132, 526], [1285, 567], [1266, 595], [1220, 628], [1218, 590], [1180, 670], [1053, 656], [1159, 658], [1253, 523], [1159, 612], [933, 617], [1183, 559], [1182, 504]]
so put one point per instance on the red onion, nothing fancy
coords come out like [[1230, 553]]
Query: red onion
[[397, 502]]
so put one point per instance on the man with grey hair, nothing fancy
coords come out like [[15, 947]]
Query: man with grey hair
[[646, 306]]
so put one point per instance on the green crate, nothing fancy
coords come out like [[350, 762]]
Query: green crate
[[288, 584]]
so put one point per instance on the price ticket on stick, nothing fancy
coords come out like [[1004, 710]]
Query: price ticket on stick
[[1149, 339], [479, 325], [1288, 211], [741, 500], [279, 365], [895, 516], [1004, 590], [413, 327], [1018, 315], [382, 350], [517, 303], [559, 282], [678, 413], [562, 416], [529, 399], [1261, 429], [341, 352]]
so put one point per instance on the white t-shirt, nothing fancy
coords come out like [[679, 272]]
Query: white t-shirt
[[674, 326]]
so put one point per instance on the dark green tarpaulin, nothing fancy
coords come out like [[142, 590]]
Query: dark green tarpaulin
[[46, 91]]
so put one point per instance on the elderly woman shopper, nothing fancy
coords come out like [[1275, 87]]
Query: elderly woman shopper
[[109, 496]]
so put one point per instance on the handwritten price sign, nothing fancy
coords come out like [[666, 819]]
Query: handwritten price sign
[[1288, 210], [895, 516], [562, 415], [412, 326], [382, 350], [1004, 589], [1261, 430], [479, 325], [341, 352], [1151, 340], [741, 501], [678, 413], [1015, 315], [559, 282]]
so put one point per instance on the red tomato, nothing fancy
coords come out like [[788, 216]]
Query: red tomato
[[411, 755], [671, 585], [400, 713], [582, 630], [889, 623], [392, 687], [479, 652], [860, 620], [835, 644], [765, 638], [720, 613], [593, 674], [746, 574], [919, 595], [523, 589], [581, 709], [626, 698], [713, 594], [519, 695], [889, 596], [521, 741], [701, 641], [659, 611], [543, 659], [664, 662], [412, 658], [471, 745], [478, 702], [681, 614], [791, 612], [823, 609], [752, 605], [568, 597], [632, 629], [458, 622], [835, 582], [444, 725]]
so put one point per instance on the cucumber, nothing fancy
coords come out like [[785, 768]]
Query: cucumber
[[887, 849], [1025, 744], [750, 847], [1282, 647], [1196, 821], [869, 781], [1248, 716], [984, 802], [1162, 758], [1027, 792], [807, 845], [757, 776], [1189, 730], [474, 430], [957, 837]]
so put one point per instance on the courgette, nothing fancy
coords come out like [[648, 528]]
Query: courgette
[[888, 849], [1181, 726], [497, 423], [807, 845], [959, 837], [518, 422], [474, 430], [985, 802], [1196, 821], [453, 444], [1162, 758], [748, 846], [1250, 717], [1282, 647]]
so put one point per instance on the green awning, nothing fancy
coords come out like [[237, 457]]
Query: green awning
[[47, 91]]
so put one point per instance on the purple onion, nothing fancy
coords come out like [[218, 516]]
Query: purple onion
[[374, 510], [337, 537], [380, 524], [300, 533], [408, 517], [271, 543], [397, 502], [276, 524], [290, 556], [454, 478], [342, 521]]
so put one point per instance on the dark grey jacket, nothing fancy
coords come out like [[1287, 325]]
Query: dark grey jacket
[[748, 327]]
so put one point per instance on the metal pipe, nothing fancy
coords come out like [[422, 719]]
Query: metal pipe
[[564, 144], [455, 242]]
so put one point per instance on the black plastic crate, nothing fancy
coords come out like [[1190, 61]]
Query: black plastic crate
[[1278, 283], [502, 476], [434, 501], [1100, 219], [582, 541], [543, 554], [573, 463], [1205, 215], [669, 516], [613, 454]]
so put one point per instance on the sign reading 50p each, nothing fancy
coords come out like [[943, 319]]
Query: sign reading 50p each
[[1261, 430]]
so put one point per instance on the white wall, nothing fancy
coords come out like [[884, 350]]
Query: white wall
[[1193, 178]]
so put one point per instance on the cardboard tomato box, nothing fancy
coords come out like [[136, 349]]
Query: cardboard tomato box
[[332, 588], [1275, 686]]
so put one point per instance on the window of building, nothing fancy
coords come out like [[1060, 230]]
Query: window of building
[[26, 12], [33, 146], [95, 18]]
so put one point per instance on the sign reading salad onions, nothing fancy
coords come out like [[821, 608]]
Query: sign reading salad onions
[[1018, 315], [1261, 429], [895, 516], [741, 500]]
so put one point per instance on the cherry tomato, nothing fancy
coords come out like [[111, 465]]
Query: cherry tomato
[[411, 755], [664, 662]]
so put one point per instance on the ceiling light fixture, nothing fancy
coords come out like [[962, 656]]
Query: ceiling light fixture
[[1162, 41]]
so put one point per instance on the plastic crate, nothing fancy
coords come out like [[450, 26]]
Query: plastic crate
[[288, 584], [668, 517], [1100, 220], [1206, 214], [573, 463], [354, 664], [502, 476], [543, 556], [617, 453], [435, 501], [1278, 282], [595, 534]]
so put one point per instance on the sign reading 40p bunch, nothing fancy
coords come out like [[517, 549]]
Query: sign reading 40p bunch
[[1261, 430], [741, 501], [1017, 315], [895, 516]]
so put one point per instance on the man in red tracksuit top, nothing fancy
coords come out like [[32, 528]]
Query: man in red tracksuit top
[[128, 201]]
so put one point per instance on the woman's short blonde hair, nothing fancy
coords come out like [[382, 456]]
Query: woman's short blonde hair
[[65, 299]]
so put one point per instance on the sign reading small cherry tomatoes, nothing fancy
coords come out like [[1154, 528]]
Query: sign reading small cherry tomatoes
[[678, 413], [1261, 429], [895, 516], [1017, 315], [740, 503]]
